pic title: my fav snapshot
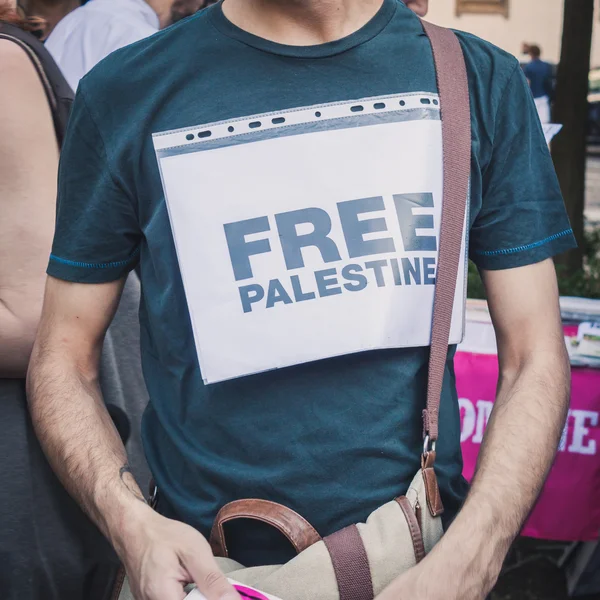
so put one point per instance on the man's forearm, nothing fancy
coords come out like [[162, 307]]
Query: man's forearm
[[80, 439], [517, 452]]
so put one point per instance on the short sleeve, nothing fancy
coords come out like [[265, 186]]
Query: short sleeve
[[97, 232], [522, 219]]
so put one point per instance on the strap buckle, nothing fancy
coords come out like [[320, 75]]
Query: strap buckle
[[428, 445], [153, 500]]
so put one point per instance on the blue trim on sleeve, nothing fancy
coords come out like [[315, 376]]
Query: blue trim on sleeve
[[524, 248], [86, 265]]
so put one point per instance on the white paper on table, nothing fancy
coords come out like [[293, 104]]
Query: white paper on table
[[588, 337], [550, 130]]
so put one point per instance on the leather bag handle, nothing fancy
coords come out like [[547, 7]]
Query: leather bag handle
[[299, 532]]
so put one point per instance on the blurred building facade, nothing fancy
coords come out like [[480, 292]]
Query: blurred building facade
[[509, 23]]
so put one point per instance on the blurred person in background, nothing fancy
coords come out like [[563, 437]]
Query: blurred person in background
[[524, 57], [48, 548], [539, 75], [91, 32], [51, 11]]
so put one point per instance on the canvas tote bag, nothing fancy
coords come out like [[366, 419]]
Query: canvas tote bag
[[358, 562]]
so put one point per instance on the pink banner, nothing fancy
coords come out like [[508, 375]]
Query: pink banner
[[569, 507]]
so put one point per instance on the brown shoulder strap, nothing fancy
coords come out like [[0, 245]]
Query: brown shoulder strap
[[350, 564], [345, 548], [453, 90]]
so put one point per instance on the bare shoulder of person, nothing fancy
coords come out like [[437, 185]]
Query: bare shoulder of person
[[21, 79], [14, 61], [24, 110]]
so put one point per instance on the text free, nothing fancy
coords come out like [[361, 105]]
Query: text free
[[355, 227]]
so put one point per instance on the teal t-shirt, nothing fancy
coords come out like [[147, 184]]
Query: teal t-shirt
[[332, 439]]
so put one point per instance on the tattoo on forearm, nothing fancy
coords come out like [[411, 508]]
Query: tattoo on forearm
[[123, 471]]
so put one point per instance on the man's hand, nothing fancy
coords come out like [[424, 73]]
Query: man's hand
[[161, 556], [86, 452]]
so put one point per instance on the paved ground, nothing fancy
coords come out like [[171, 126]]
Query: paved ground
[[531, 573]]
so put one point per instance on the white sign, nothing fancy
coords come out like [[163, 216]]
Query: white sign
[[576, 436], [308, 234], [551, 130]]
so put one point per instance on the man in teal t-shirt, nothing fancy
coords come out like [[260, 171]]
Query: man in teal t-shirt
[[261, 114]]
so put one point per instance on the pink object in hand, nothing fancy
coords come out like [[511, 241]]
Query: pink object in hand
[[250, 593]]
